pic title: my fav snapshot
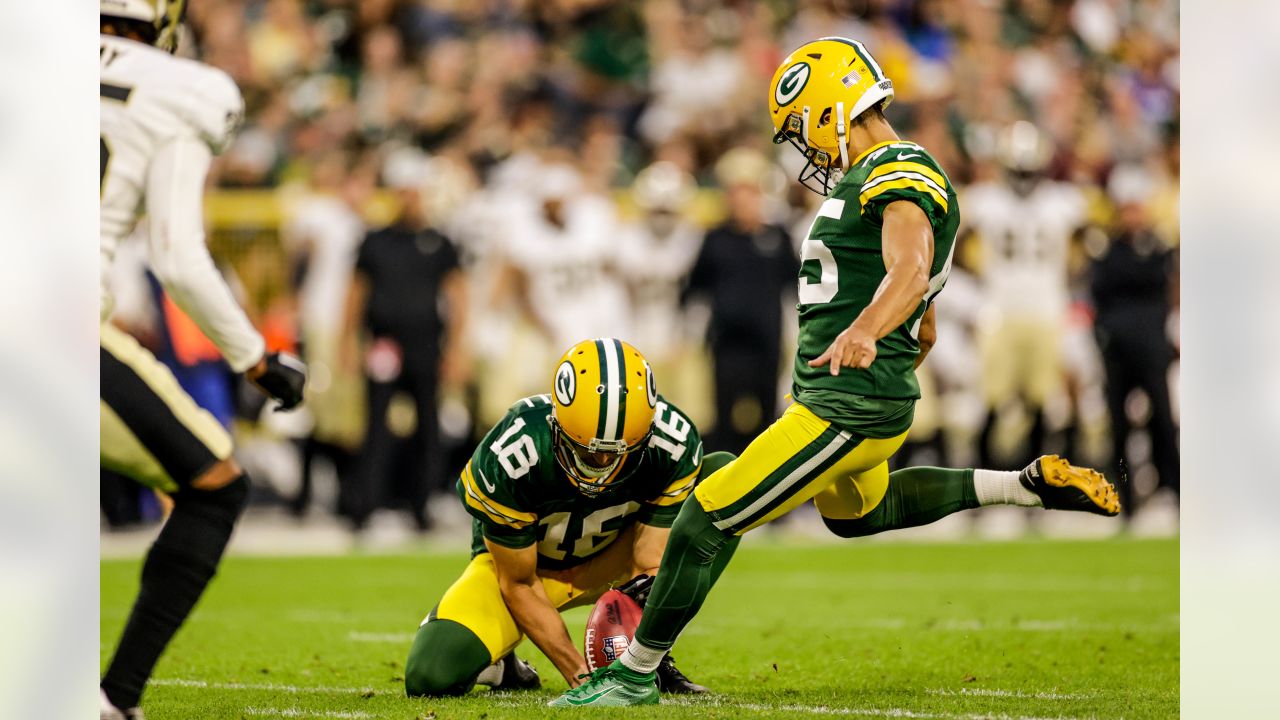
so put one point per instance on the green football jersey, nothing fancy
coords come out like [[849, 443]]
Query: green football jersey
[[841, 268], [519, 496]]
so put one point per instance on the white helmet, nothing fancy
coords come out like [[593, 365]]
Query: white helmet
[[1022, 147], [164, 15], [662, 186]]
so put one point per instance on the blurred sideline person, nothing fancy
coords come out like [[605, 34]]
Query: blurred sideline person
[[163, 119], [877, 254], [408, 298], [745, 268], [571, 493], [322, 235], [1133, 288], [955, 359], [655, 255], [1025, 222], [559, 252]]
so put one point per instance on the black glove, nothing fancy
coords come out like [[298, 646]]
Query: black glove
[[281, 376], [637, 588]]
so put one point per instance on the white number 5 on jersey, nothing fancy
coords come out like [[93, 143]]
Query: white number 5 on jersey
[[813, 293]]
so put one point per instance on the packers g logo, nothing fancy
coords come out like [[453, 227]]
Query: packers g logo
[[566, 383], [651, 386], [791, 83]]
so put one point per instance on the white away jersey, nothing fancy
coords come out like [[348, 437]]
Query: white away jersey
[[656, 269], [1025, 243], [148, 97], [573, 285]]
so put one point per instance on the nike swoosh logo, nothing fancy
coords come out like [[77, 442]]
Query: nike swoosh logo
[[592, 698], [487, 485], [904, 157]]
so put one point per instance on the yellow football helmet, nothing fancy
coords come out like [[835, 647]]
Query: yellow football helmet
[[603, 398], [816, 93], [165, 16]]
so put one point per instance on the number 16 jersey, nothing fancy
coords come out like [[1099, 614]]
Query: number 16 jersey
[[519, 496], [842, 266]]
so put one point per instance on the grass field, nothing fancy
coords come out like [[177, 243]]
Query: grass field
[[1032, 629]]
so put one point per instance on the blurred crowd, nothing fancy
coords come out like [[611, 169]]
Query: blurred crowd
[[431, 199]]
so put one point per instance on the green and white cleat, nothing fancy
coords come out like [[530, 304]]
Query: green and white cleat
[[1063, 486], [612, 686]]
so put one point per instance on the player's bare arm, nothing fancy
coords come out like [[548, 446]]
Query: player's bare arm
[[647, 549], [530, 607], [928, 334], [908, 253]]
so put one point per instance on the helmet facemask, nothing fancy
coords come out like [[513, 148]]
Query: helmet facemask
[[156, 22], [820, 173], [592, 468]]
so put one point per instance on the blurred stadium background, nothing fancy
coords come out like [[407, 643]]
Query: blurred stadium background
[[596, 167]]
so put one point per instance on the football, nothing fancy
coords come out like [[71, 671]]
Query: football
[[610, 627]]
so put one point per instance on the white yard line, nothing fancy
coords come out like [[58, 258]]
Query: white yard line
[[300, 713], [985, 692], [791, 709], [858, 712], [273, 687], [681, 702]]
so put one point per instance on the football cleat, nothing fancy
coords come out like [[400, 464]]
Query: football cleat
[[107, 711], [610, 686], [517, 675], [1063, 486], [673, 682]]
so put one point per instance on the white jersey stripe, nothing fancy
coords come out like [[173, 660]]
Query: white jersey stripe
[[905, 174]]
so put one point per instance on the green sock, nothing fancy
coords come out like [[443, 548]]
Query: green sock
[[445, 660], [916, 496]]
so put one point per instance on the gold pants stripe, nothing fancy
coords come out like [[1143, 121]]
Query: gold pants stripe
[[150, 429]]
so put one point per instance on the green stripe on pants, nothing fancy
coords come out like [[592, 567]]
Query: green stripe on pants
[[793, 476]]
